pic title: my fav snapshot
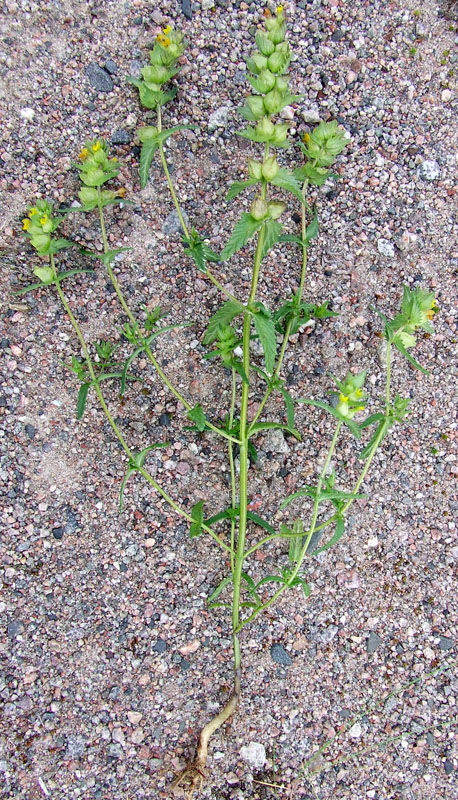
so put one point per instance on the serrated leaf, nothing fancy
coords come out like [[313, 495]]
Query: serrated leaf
[[146, 156], [399, 346], [239, 186], [197, 514], [382, 429], [223, 316], [136, 463], [81, 401], [199, 250], [285, 180], [323, 312], [244, 230], [340, 528], [371, 420], [272, 234], [197, 416], [265, 329], [354, 427]]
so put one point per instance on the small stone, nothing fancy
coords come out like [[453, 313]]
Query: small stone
[[448, 767], [280, 656], [254, 754], [15, 628], [121, 136], [381, 353], [76, 746], [110, 66], [207, 4], [134, 717], [115, 750], [445, 643], [160, 646], [274, 442], [30, 431], [172, 223], [98, 78], [429, 170], [58, 533], [351, 76], [186, 8], [327, 634], [372, 542], [385, 248], [446, 95], [311, 115], [374, 641], [27, 114], [137, 736], [189, 648], [219, 118], [355, 731]]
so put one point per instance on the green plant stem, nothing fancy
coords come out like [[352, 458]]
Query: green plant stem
[[299, 295], [110, 418], [176, 203], [143, 342], [232, 467], [388, 378]]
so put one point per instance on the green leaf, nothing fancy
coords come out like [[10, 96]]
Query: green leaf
[[199, 250], [323, 312], [167, 133], [239, 186], [250, 583], [81, 401], [260, 521], [272, 234], [265, 426], [312, 229], [295, 544], [285, 180], [371, 420], [382, 429], [265, 329], [270, 579], [107, 258], [325, 494], [354, 427], [146, 156], [244, 230], [289, 407], [304, 585], [141, 348], [238, 366], [197, 514], [399, 346], [233, 513], [220, 588], [135, 463], [60, 244], [292, 237], [223, 316], [197, 416], [340, 527]]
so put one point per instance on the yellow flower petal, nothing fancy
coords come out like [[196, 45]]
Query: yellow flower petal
[[96, 146], [121, 192], [43, 219], [84, 153], [168, 29], [343, 398], [279, 9], [25, 224], [33, 211]]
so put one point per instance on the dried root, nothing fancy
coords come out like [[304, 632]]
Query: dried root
[[191, 779]]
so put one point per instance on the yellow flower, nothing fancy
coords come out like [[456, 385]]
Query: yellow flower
[[25, 224], [96, 146], [43, 219], [279, 9], [168, 30], [121, 192], [165, 42], [358, 393], [306, 138], [84, 153], [433, 310], [33, 211], [343, 398]]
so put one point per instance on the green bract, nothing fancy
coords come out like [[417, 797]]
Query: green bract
[[96, 167]]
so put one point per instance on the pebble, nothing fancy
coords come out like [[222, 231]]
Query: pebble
[[373, 642], [121, 136], [385, 248], [448, 767], [311, 114], [134, 717], [429, 170], [445, 643], [160, 646], [254, 754], [274, 442], [98, 78], [280, 656], [27, 113], [76, 746], [327, 634], [446, 95], [219, 118], [355, 731], [172, 223], [15, 628]]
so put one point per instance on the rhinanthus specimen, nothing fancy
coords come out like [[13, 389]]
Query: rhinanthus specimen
[[237, 530]]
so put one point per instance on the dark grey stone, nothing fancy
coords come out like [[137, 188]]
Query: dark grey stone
[[121, 136], [58, 533], [280, 656], [98, 78], [186, 8], [76, 746], [30, 431], [172, 223], [374, 641], [445, 643], [114, 750], [448, 766], [160, 646], [72, 523], [15, 628], [111, 66]]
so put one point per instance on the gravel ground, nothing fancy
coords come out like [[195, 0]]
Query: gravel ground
[[111, 661]]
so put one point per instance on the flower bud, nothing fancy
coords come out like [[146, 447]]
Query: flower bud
[[147, 133], [280, 133], [265, 128], [277, 31], [264, 44], [273, 102], [254, 169], [257, 63], [277, 62], [275, 209], [269, 168], [155, 75], [93, 177], [256, 106], [259, 209]]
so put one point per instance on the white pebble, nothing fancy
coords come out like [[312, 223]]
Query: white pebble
[[355, 731], [254, 754], [385, 248], [27, 113]]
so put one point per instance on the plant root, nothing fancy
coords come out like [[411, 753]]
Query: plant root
[[191, 779]]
